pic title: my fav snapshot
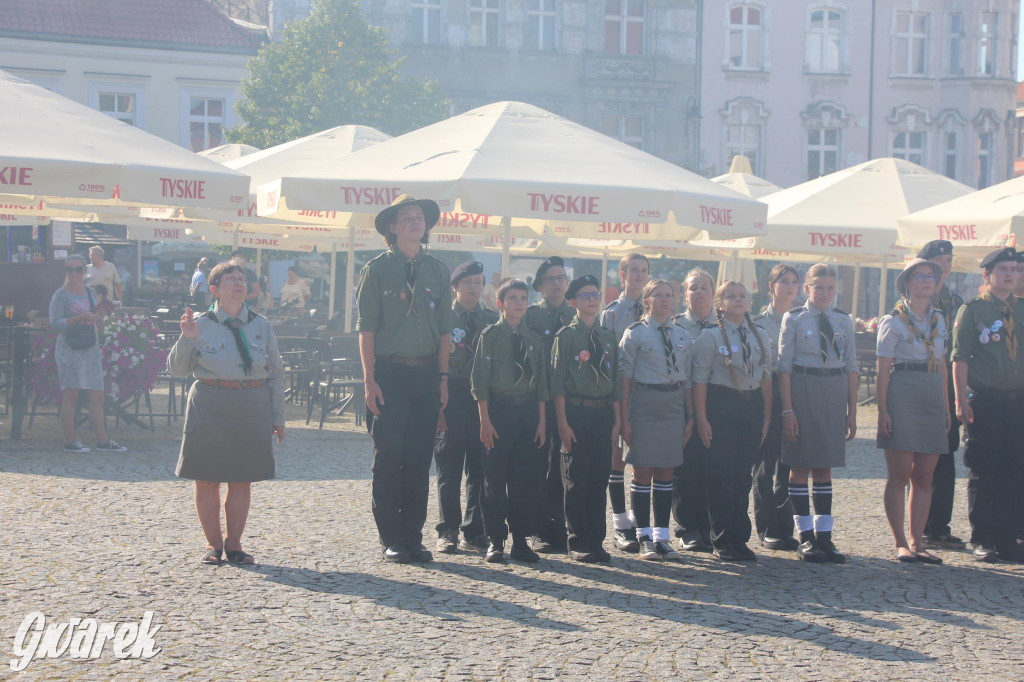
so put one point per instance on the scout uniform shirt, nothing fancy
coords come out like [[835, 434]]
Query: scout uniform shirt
[[466, 328], [621, 313], [546, 320], [213, 354], [407, 303], [497, 369], [897, 341], [714, 362], [691, 324], [585, 362], [802, 340], [981, 338], [771, 322], [646, 357]]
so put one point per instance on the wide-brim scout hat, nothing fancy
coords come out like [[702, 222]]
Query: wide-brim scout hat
[[384, 219], [1007, 253], [936, 247], [901, 279], [553, 261]]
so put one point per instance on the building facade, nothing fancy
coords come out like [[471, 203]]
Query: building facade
[[807, 88]]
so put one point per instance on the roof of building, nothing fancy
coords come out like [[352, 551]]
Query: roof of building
[[162, 24]]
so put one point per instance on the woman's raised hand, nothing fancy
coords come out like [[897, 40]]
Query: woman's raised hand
[[188, 325]]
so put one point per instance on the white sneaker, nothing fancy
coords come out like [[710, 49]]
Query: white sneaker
[[648, 550], [111, 446], [75, 446]]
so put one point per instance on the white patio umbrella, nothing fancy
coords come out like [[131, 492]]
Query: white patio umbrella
[[51, 146], [226, 152], [741, 178]]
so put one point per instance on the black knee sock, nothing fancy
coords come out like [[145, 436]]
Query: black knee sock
[[640, 496], [823, 498], [617, 492], [662, 503], [801, 501]]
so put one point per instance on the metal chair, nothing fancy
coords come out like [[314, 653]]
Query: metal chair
[[337, 378]]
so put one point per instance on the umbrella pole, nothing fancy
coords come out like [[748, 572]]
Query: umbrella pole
[[856, 290], [883, 284], [259, 261], [332, 281], [506, 244], [234, 239], [604, 271], [350, 274], [138, 264]]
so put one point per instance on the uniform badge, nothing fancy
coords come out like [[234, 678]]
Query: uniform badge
[[458, 335], [983, 338], [401, 294], [432, 305], [576, 358], [810, 332], [722, 350], [995, 338], [997, 325], [585, 355], [734, 348], [546, 332]]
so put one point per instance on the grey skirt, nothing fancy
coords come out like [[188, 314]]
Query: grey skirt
[[227, 435], [656, 420], [917, 406], [820, 407]]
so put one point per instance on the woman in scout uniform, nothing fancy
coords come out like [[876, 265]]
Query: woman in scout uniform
[[234, 407], [987, 356], [586, 393], [818, 388], [546, 317], [459, 448], [913, 416], [509, 382], [773, 512], [689, 504], [654, 367], [634, 271], [732, 398]]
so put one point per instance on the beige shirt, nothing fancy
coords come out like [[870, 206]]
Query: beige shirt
[[720, 361], [106, 275], [800, 344], [642, 355]]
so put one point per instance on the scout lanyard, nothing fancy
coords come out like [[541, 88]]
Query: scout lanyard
[[902, 311]]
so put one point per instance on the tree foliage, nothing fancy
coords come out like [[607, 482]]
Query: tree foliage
[[332, 68]]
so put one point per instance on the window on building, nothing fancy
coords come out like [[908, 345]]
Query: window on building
[[949, 151], [984, 160], [1020, 138], [822, 151], [120, 105], [909, 146], [483, 23], [824, 41], [745, 37], [987, 44], [426, 22], [744, 122], [205, 123], [624, 26], [540, 25], [957, 40], [628, 129], [910, 44]]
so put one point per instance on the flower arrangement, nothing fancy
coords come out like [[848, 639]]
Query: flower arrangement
[[131, 360], [868, 325]]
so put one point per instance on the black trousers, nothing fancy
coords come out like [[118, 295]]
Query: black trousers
[[773, 511], [689, 503], [551, 516], [513, 471], [584, 472], [995, 455], [736, 418], [944, 478], [403, 437], [461, 451]]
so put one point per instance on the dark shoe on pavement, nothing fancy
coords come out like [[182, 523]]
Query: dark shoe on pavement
[[746, 554], [667, 553], [808, 551], [625, 540], [583, 557], [476, 543], [1012, 554], [521, 551], [648, 550], [927, 558], [545, 546], [602, 556], [986, 554], [448, 542], [727, 553], [495, 553], [946, 540], [111, 446], [691, 541], [789, 544], [832, 555], [396, 555], [421, 555]]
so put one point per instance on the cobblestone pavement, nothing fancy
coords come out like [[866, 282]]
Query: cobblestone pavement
[[110, 536]]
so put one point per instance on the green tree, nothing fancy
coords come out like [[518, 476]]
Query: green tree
[[330, 69]]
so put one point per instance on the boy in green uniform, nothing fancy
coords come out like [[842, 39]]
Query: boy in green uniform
[[586, 392], [405, 303], [509, 382], [546, 318], [460, 448]]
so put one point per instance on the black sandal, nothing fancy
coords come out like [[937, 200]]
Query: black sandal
[[238, 556], [212, 557]]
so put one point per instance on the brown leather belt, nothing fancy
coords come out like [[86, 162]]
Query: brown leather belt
[[409, 362], [818, 372], [910, 367], [244, 384], [582, 401]]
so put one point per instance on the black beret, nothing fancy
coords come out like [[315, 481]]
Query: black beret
[[936, 247], [553, 260], [1005, 254], [470, 267], [579, 283]]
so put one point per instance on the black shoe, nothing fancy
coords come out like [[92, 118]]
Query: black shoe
[[421, 555], [705, 538], [744, 552], [545, 546], [789, 544], [396, 554], [946, 540], [808, 551], [626, 541], [727, 553], [1012, 554], [833, 555], [693, 541], [495, 553], [448, 542], [986, 554], [602, 556], [477, 543], [583, 557], [521, 551]]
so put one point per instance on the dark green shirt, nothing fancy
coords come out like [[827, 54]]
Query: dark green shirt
[[573, 372], [466, 328], [408, 319], [546, 320], [975, 342], [948, 303], [494, 367]]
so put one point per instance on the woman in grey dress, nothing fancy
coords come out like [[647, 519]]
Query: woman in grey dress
[[913, 414], [71, 308], [233, 408], [655, 356]]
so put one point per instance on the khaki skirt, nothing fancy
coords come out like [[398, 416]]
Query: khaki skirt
[[820, 406], [917, 406], [656, 419], [227, 435]]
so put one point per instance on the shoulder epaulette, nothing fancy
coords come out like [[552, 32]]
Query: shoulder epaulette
[[760, 316], [378, 257], [488, 328], [611, 305], [797, 309], [635, 324], [840, 311], [975, 300]]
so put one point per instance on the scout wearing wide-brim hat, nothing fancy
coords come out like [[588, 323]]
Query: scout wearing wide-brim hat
[[901, 279], [387, 217]]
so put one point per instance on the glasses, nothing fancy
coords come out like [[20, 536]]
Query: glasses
[[232, 280], [925, 277], [789, 281], [589, 296], [555, 279], [78, 270]]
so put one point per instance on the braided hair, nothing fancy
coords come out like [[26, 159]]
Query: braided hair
[[719, 300]]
